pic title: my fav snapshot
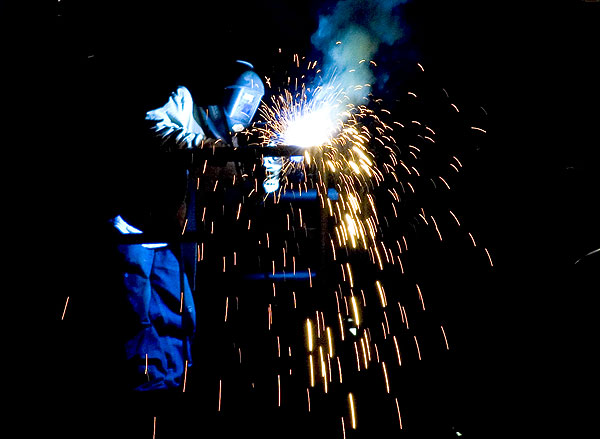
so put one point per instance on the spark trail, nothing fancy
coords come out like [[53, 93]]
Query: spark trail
[[368, 304], [344, 310]]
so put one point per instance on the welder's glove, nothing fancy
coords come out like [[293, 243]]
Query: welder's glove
[[122, 226], [177, 122], [273, 167]]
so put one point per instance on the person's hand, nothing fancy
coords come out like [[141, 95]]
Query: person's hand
[[122, 226]]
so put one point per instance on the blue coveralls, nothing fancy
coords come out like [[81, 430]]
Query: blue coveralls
[[161, 316], [164, 316]]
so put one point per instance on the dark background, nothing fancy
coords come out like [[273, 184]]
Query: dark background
[[530, 191]]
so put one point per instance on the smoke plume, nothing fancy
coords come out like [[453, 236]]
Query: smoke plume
[[353, 31]]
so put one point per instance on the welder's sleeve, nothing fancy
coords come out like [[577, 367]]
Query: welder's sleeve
[[176, 122]]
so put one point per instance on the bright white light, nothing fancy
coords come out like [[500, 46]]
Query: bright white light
[[310, 128]]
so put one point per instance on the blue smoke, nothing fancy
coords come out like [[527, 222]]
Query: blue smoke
[[349, 36]]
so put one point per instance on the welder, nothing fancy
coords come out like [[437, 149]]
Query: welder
[[158, 200]]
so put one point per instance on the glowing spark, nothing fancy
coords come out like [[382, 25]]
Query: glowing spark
[[312, 370], [489, 257], [352, 410], [385, 374], [454, 216], [185, 375], [330, 341], [350, 275], [309, 331], [387, 324], [421, 297], [378, 258], [381, 294], [65, 309], [397, 351], [444, 181], [445, 338], [355, 310], [354, 166], [417, 345], [364, 352], [220, 389], [278, 390], [398, 409], [270, 316], [357, 356], [473, 240]]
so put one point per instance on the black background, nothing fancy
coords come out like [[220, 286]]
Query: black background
[[530, 192]]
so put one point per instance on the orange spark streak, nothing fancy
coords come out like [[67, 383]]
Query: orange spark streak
[[220, 388], [420, 297], [352, 410], [364, 351], [397, 351], [185, 375], [398, 409], [472, 239], [357, 357], [278, 390], [417, 344], [387, 382], [455, 218], [65, 310], [445, 338], [489, 257]]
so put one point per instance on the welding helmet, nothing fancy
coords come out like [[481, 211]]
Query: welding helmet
[[242, 98]]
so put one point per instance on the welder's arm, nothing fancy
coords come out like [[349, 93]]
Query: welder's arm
[[174, 122]]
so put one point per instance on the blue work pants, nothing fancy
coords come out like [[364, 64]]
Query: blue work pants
[[162, 318]]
